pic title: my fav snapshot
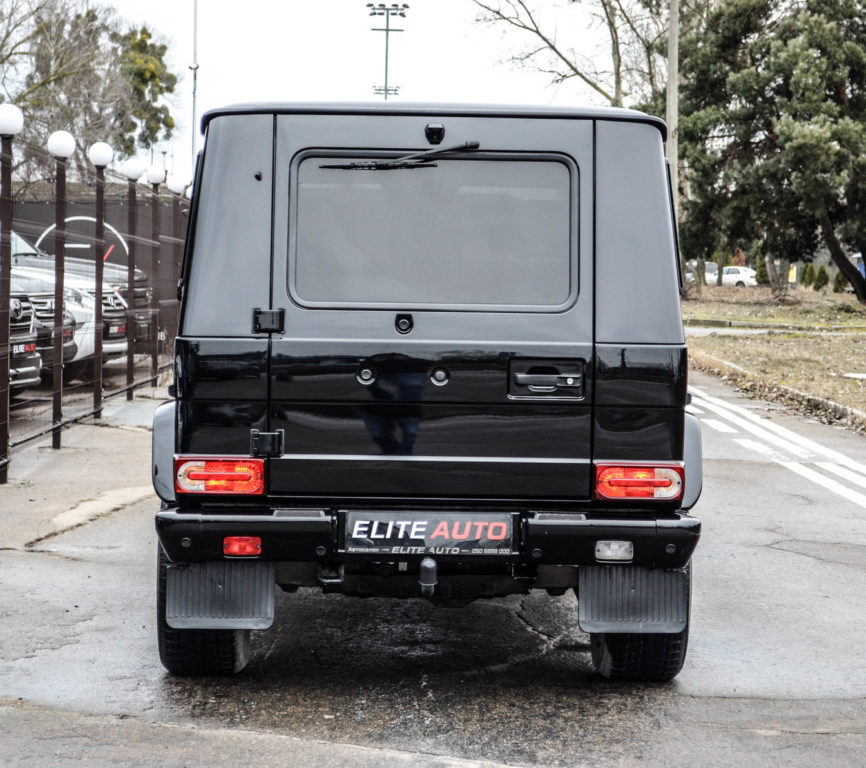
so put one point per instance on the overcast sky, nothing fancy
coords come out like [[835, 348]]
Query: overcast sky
[[324, 50]]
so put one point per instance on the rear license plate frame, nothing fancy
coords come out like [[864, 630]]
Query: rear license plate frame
[[428, 533]]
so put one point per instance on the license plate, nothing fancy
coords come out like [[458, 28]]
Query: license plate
[[116, 330], [23, 349], [429, 533]]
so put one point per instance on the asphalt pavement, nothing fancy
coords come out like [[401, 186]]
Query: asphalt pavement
[[775, 673]]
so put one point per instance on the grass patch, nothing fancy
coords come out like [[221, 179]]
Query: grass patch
[[803, 307], [795, 366]]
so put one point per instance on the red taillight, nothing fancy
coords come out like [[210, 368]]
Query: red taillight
[[242, 546], [240, 476], [663, 483]]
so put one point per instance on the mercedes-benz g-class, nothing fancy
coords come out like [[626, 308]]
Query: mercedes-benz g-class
[[431, 352]]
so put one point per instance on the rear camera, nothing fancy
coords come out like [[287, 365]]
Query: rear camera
[[403, 323], [434, 132]]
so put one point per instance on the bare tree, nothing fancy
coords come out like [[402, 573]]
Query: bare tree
[[633, 67], [17, 30]]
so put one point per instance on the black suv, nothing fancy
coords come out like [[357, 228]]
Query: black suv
[[433, 352]]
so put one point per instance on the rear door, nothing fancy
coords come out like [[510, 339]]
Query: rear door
[[437, 340]]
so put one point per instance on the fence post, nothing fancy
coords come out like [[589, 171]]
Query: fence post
[[100, 155], [177, 232], [61, 145], [132, 169], [155, 176], [11, 123]]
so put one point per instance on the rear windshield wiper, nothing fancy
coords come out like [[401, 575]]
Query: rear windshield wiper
[[415, 160]]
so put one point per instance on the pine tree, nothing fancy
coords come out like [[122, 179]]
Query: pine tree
[[840, 283], [822, 277], [808, 276], [761, 276]]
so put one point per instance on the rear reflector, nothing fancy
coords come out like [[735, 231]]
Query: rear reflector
[[238, 476], [242, 546], [663, 483]]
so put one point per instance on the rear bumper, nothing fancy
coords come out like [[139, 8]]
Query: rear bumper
[[25, 371], [313, 535]]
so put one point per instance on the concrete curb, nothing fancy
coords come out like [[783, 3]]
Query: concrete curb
[[758, 326], [91, 509], [753, 384]]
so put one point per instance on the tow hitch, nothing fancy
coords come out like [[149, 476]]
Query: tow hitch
[[427, 576]]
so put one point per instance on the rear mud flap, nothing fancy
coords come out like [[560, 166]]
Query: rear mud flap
[[620, 598], [229, 594]]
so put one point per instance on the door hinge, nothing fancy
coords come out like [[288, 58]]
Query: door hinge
[[267, 443], [269, 320]]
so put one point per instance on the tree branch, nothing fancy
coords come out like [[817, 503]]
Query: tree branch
[[521, 17]]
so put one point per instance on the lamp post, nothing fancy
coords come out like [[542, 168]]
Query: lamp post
[[11, 123], [155, 176], [132, 169], [100, 154], [61, 145], [387, 11]]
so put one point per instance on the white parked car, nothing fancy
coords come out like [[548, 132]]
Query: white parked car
[[79, 301], [739, 276]]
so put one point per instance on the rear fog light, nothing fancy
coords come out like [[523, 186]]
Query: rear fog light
[[242, 546]]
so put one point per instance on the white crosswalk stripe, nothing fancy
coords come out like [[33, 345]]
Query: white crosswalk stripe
[[779, 445], [719, 426]]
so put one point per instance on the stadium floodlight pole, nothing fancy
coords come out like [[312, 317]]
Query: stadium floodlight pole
[[100, 154], [194, 68], [387, 11], [61, 145], [11, 123]]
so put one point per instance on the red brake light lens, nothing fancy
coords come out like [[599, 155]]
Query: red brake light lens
[[662, 483], [236, 476], [242, 546]]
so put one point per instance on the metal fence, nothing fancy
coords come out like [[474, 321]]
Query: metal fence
[[88, 298]]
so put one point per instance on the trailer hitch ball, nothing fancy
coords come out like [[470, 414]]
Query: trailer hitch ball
[[427, 577]]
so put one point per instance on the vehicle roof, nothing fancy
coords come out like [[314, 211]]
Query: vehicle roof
[[437, 110]]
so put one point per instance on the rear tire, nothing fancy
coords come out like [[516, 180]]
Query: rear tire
[[655, 657], [197, 651], [643, 658]]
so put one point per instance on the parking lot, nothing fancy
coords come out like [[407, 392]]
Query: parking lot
[[775, 672]]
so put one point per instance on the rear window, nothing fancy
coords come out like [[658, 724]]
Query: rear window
[[491, 233]]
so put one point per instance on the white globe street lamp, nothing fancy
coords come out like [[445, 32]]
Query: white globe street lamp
[[100, 154], [133, 168], [175, 186], [11, 120], [155, 175], [61, 144]]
